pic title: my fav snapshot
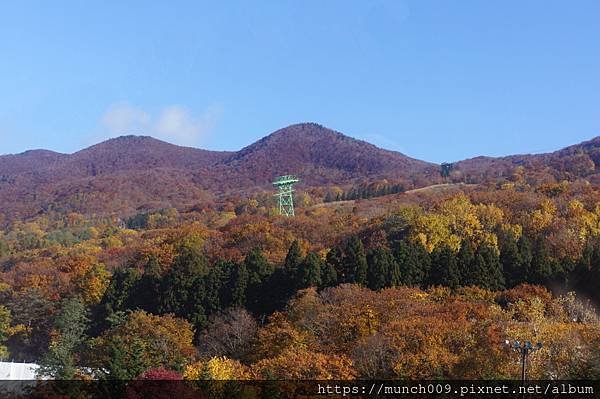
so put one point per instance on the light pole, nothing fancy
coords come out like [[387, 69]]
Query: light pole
[[524, 348]]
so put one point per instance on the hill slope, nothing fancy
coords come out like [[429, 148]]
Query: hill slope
[[117, 176], [132, 173], [125, 175], [576, 161], [319, 156]]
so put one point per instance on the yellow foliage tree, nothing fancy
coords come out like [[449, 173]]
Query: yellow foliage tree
[[542, 218], [303, 364], [154, 341], [217, 368]]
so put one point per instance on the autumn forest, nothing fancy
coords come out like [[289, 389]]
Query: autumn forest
[[148, 261]]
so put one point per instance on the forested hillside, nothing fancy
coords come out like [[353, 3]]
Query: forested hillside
[[127, 175], [360, 288], [122, 176]]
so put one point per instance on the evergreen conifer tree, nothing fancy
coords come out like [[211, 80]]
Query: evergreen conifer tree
[[444, 268], [61, 360], [292, 264], [380, 265], [355, 261], [310, 271]]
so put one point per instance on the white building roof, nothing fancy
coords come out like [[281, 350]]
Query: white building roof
[[18, 371]]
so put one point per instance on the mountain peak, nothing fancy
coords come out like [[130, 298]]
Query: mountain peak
[[321, 155], [39, 153], [305, 125], [127, 140], [307, 129], [132, 137]]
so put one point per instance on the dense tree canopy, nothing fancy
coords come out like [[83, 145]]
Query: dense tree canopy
[[364, 288]]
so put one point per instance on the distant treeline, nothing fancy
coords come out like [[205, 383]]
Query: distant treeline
[[363, 192]]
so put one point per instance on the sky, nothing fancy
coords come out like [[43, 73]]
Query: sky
[[437, 80]]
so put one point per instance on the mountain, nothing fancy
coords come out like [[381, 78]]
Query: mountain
[[140, 152], [119, 176], [29, 161], [319, 156], [132, 173], [129, 174], [313, 146], [573, 162]]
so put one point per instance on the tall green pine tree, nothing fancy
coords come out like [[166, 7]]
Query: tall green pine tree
[[61, 360], [526, 255], [310, 271], [494, 277], [335, 260], [355, 262], [259, 271], [512, 262], [329, 276], [291, 265], [180, 285], [239, 285], [469, 275], [413, 261], [382, 269], [543, 267], [444, 268]]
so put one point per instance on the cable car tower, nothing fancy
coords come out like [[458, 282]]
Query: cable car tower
[[286, 198]]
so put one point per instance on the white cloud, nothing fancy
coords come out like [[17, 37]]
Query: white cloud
[[122, 118], [174, 123]]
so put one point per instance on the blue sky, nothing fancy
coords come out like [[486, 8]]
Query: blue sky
[[438, 80]]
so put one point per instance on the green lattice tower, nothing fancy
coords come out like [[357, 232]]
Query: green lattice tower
[[286, 198]]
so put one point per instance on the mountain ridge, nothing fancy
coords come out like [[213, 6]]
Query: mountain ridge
[[130, 173], [132, 137]]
